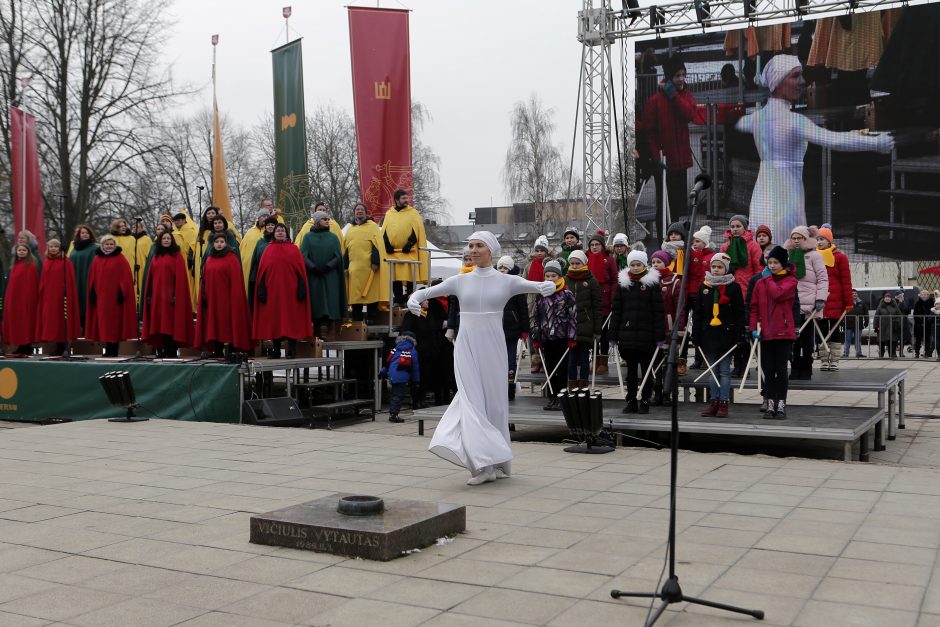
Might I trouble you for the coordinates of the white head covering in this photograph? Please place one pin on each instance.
(541, 241)
(489, 239)
(638, 255)
(579, 255)
(777, 69)
(621, 238)
(505, 262)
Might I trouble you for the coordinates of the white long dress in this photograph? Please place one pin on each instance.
(781, 137)
(474, 430)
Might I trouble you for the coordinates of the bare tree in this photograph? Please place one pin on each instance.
(99, 91)
(533, 168)
(332, 160)
(425, 170)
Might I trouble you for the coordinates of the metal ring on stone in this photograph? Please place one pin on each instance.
(360, 505)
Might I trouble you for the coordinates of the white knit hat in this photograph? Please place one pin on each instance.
(541, 242)
(505, 262)
(638, 255)
(579, 255)
(721, 258)
(704, 234)
(621, 238)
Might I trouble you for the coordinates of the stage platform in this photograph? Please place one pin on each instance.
(846, 425)
(887, 383)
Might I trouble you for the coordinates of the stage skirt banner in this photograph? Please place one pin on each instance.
(290, 135)
(39, 391)
(27, 191)
(381, 75)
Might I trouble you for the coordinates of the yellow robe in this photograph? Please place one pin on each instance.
(397, 227)
(186, 239)
(247, 249)
(334, 229)
(135, 251)
(359, 242)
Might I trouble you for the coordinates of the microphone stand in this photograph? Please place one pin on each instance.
(671, 592)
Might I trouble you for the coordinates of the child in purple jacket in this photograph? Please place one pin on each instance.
(554, 328)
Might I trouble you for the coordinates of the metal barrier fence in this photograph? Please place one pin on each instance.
(885, 336)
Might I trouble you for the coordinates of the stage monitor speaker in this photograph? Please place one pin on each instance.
(273, 412)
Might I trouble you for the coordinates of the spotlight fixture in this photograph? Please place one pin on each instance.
(631, 10)
(750, 7)
(120, 391)
(801, 6)
(703, 12)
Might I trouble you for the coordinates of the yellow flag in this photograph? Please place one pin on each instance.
(220, 197)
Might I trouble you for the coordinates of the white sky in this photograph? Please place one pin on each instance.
(471, 60)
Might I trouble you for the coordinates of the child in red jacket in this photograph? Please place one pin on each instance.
(604, 268)
(839, 302)
(700, 258)
(775, 309)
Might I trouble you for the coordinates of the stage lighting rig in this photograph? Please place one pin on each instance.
(631, 10)
(750, 7)
(657, 19)
(703, 12)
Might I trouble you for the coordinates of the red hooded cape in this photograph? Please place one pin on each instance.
(19, 304)
(110, 279)
(281, 274)
(57, 319)
(167, 307)
(223, 306)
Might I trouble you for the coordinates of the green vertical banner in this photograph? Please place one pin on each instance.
(290, 136)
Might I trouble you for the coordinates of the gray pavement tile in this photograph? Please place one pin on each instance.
(439, 595)
(60, 602)
(515, 605)
(879, 594)
(137, 612)
(817, 613)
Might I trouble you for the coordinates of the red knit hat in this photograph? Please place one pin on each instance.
(763, 228)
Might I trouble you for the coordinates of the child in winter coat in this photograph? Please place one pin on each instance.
(745, 262)
(571, 242)
(621, 246)
(669, 285)
(638, 324)
(813, 281)
(718, 320)
(674, 244)
(536, 272)
(839, 302)
(699, 263)
(774, 319)
(889, 325)
(604, 268)
(587, 296)
(764, 237)
(515, 322)
(403, 370)
(555, 327)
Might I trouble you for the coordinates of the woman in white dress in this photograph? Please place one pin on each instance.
(782, 136)
(474, 430)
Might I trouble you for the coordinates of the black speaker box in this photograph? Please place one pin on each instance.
(273, 412)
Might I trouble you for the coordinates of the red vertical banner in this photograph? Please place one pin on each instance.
(381, 75)
(27, 192)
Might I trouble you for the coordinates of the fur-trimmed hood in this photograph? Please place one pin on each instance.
(650, 279)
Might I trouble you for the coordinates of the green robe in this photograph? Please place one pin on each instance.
(325, 275)
(81, 260)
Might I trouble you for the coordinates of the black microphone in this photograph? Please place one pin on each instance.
(702, 182)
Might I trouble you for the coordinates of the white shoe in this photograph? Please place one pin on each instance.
(500, 473)
(484, 477)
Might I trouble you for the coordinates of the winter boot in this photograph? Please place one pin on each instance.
(722, 409)
(711, 410)
(512, 386)
(600, 364)
(631, 407)
(553, 404)
(395, 418)
(834, 357)
(763, 406)
(771, 412)
(781, 413)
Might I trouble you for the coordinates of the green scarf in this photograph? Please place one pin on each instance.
(737, 250)
(798, 259)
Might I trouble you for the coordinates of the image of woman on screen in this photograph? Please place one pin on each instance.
(781, 137)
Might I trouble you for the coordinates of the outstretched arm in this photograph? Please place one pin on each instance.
(846, 141)
(518, 285)
(445, 288)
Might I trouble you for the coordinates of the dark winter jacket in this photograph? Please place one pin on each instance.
(670, 284)
(859, 313)
(587, 297)
(516, 315)
(637, 319)
(923, 308)
(395, 370)
(717, 340)
(555, 317)
(776, 306)
(889, 322)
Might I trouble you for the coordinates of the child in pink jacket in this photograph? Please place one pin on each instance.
(813, 284)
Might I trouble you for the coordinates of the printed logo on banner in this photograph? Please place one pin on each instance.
(8, 385)
(383, 90)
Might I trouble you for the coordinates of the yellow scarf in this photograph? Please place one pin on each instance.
(828, 255)
(679, 263)
(466, 269)
(781, 272)
(559, 284)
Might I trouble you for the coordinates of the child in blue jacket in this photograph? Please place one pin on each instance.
(402, 370)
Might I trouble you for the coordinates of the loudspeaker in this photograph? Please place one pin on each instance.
(273, 412)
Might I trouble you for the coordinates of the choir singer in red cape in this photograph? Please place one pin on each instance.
(19, 302)
(167, 307)
(282, 310)
(57, 319)
(223, 319)
(111, 313)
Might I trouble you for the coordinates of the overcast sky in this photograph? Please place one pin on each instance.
(471, 60)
